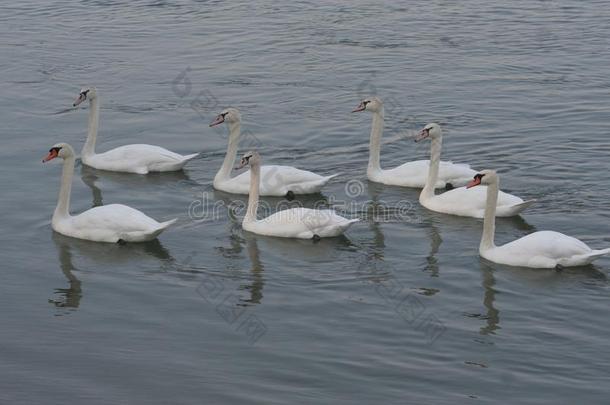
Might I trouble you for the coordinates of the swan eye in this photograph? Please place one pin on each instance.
(478, 176)
(55, 149)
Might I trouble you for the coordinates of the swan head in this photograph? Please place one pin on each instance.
(373, 104)
(59, 150)
(432, 131)
(251, 158)
(84, 94)
(485, 177)
(229, 115)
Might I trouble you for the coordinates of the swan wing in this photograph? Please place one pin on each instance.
(302, 223)
(469, 201)
(415, 174)
(138, 158)
(109, 223)
(276, 181)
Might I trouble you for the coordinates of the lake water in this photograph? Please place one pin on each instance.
(401, 309)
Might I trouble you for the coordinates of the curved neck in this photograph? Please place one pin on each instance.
(227, 164)
(435, 161)
(94, 118)
(255, 174)
(489, 221)
(375, 141)
(63, 203)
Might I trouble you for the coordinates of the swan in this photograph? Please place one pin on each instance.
(460, 201)
(410, 174)
(137, 158)
(277, 181)
(302, 223)
(543, 249)
(107, 223)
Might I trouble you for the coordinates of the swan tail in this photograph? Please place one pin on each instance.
(326, 179)
(597, 253)
(336, 229)
(310, 187)
(519, 208)
(144, 236)
(349, 223)
(164, 225)
(189, 157)
(584, 259)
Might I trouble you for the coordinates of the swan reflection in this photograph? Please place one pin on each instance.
(492, 315)
(435, 243)
(90, 176)
(530, 279)
(66, 297)
(256, 286)
(245, 245)
(105, 255)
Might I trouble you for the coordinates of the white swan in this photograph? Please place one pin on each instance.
(410, 174)
(302, 223)
(460, 201)
(137, 158)
(107, 223)
(543, 249)
(277, 181)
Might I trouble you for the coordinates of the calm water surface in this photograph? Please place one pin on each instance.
(401, 309)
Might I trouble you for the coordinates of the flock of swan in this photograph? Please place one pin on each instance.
(477, 196)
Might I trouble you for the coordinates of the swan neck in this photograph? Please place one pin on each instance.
(489, 220)
(435, 161)
(94, 118)
(63, 203)
(233, 144)
(375, 142)
(255, 175)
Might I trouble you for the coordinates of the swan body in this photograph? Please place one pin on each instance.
(413, 174)
(111, 223)
(461, 201)
(543, 249)
(302, 223)
(276, 180)
(465, 202)
(136, 158)
(410, 174)
(108, 223)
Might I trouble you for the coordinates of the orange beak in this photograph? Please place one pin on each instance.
(52, 155)
(475, 182)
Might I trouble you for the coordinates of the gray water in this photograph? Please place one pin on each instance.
(401, 309)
